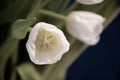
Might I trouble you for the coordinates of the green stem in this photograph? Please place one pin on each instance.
(112, 17)
(72, 7)
(6, 51)
(36, 6)
(56, 5)
(44, 3)
(20, 10)
(52, 5)
(14, 61)
(64, 6)
(52, 14)
(100, 7)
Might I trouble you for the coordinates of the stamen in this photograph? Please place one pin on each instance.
(45, 40)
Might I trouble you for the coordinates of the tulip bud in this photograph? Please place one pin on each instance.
(46, 44)
(89, 2)
(85, 26)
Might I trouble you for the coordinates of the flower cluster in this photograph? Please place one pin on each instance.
(47, 43)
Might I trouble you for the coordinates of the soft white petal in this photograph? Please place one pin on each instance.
(85, 26)
(89, 2)
(47, 56)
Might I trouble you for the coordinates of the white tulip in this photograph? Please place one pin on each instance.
(46, 44)
(85, 26)
(89, 2)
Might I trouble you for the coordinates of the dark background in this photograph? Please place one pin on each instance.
(102, 61)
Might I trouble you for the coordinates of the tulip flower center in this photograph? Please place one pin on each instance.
(45, 41)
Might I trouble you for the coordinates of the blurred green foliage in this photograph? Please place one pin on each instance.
(16, 16)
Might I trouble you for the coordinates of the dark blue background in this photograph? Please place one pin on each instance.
(100, 62)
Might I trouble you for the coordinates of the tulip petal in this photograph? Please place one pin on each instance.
(46, 44)
(89, 2)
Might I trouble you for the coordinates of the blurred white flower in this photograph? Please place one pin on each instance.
(85, 26)
(46, 44)
(89, 2)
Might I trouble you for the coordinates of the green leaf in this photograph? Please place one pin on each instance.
(21, 26)
(28, 72)
(6, 51)
(53, 6)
